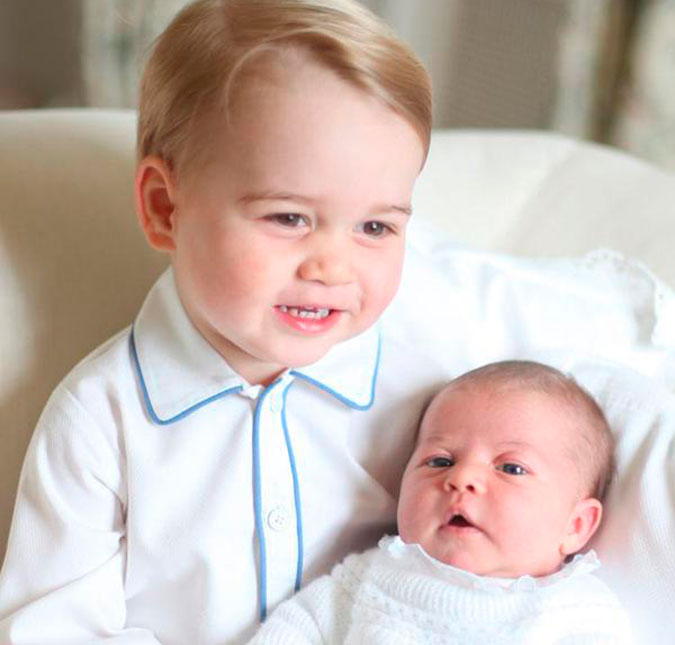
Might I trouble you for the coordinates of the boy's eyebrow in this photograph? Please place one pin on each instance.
(406, 209)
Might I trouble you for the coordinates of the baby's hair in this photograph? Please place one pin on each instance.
(195, 64)
(595, 449)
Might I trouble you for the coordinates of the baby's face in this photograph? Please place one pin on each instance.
(291, 240)
(492, 486)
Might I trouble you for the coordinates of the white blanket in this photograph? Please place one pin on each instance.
(610, 323)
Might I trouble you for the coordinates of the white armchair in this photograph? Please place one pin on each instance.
(74, 267)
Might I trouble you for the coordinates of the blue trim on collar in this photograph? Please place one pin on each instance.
(146, 396)
(341, 397)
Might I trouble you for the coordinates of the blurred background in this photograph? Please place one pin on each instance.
(602, 70)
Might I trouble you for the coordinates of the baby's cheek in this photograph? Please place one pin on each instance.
(410, 507)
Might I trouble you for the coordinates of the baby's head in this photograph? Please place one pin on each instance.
(508, 475)
(278, 145)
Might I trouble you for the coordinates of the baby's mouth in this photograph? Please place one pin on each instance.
(311, 313)
(460, 521)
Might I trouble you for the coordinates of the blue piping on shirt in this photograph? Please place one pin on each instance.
(239, 388)
(257, 504)
(184, 413)
(296, 495)
(340, 397)
(257, 478)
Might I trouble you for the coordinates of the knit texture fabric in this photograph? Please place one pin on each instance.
(397, 594)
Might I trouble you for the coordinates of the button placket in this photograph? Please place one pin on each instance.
(276, 401)
(278, 504)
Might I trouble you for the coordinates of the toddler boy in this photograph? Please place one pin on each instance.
(503, 488)
(194, 470)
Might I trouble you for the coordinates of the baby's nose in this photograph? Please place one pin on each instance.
(466, 478)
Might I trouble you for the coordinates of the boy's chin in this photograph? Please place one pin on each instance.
(297, 352)
(305, 359)
(303, 352)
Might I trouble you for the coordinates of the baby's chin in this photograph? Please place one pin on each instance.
(480, 567)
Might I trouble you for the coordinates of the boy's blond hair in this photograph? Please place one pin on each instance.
(191, 73)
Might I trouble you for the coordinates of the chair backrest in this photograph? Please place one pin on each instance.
(74, 266)
(544, 194)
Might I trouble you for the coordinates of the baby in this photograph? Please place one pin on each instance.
(504, 487)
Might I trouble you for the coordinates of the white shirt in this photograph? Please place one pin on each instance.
(399, 595)
(135, 517)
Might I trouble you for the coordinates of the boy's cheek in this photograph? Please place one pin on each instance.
(385, 286)
(230, 268)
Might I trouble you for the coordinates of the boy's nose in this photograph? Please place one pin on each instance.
(466, 478)
(329, 263)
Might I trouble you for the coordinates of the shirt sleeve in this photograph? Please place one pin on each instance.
(63, 576)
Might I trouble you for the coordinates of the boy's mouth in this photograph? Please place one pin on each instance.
(308, 319)
(311, 313)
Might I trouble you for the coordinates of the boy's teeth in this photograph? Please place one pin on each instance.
(302, 312)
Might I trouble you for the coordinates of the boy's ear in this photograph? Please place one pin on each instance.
(154, 195)
(584, 521)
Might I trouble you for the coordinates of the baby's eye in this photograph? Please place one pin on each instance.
(288, 220)
(440, 462)
(512, 469)
(376, 229)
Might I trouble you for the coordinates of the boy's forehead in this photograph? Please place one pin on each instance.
(288, 79)
(256, 87)
(274, 140)
(283, 67)
(291, 78)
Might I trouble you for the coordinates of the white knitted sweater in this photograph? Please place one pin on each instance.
(398, 594)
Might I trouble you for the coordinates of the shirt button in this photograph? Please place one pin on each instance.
(278, 518)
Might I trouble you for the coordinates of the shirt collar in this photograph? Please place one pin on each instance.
(180, 372)
(414, 556)
(348, 371)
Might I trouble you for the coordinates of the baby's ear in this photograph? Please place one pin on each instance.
(154, 198)
(583, 522)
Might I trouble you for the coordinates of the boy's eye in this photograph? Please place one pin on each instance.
(512, 469)
(289, 220)
(373, 228)
(440, 462)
